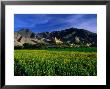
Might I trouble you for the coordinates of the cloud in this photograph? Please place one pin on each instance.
(51, 22)
(88, 24)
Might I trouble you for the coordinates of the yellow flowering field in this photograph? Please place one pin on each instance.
(54, 63)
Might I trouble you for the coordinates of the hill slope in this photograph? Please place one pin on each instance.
(67, 36)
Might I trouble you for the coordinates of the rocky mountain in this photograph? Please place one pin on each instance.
(23, 36)
(69, 36)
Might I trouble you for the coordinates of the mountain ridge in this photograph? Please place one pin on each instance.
(67, 36)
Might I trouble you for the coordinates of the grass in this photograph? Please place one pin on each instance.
(56, 62)
(83, 49)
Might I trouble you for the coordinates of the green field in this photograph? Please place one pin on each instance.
(56, 62)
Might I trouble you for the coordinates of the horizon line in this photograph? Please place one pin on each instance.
(54, 30)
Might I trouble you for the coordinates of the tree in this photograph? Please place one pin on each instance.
(27, 46)
(18, 47)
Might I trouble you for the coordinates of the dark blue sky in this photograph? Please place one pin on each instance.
(53, 22)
